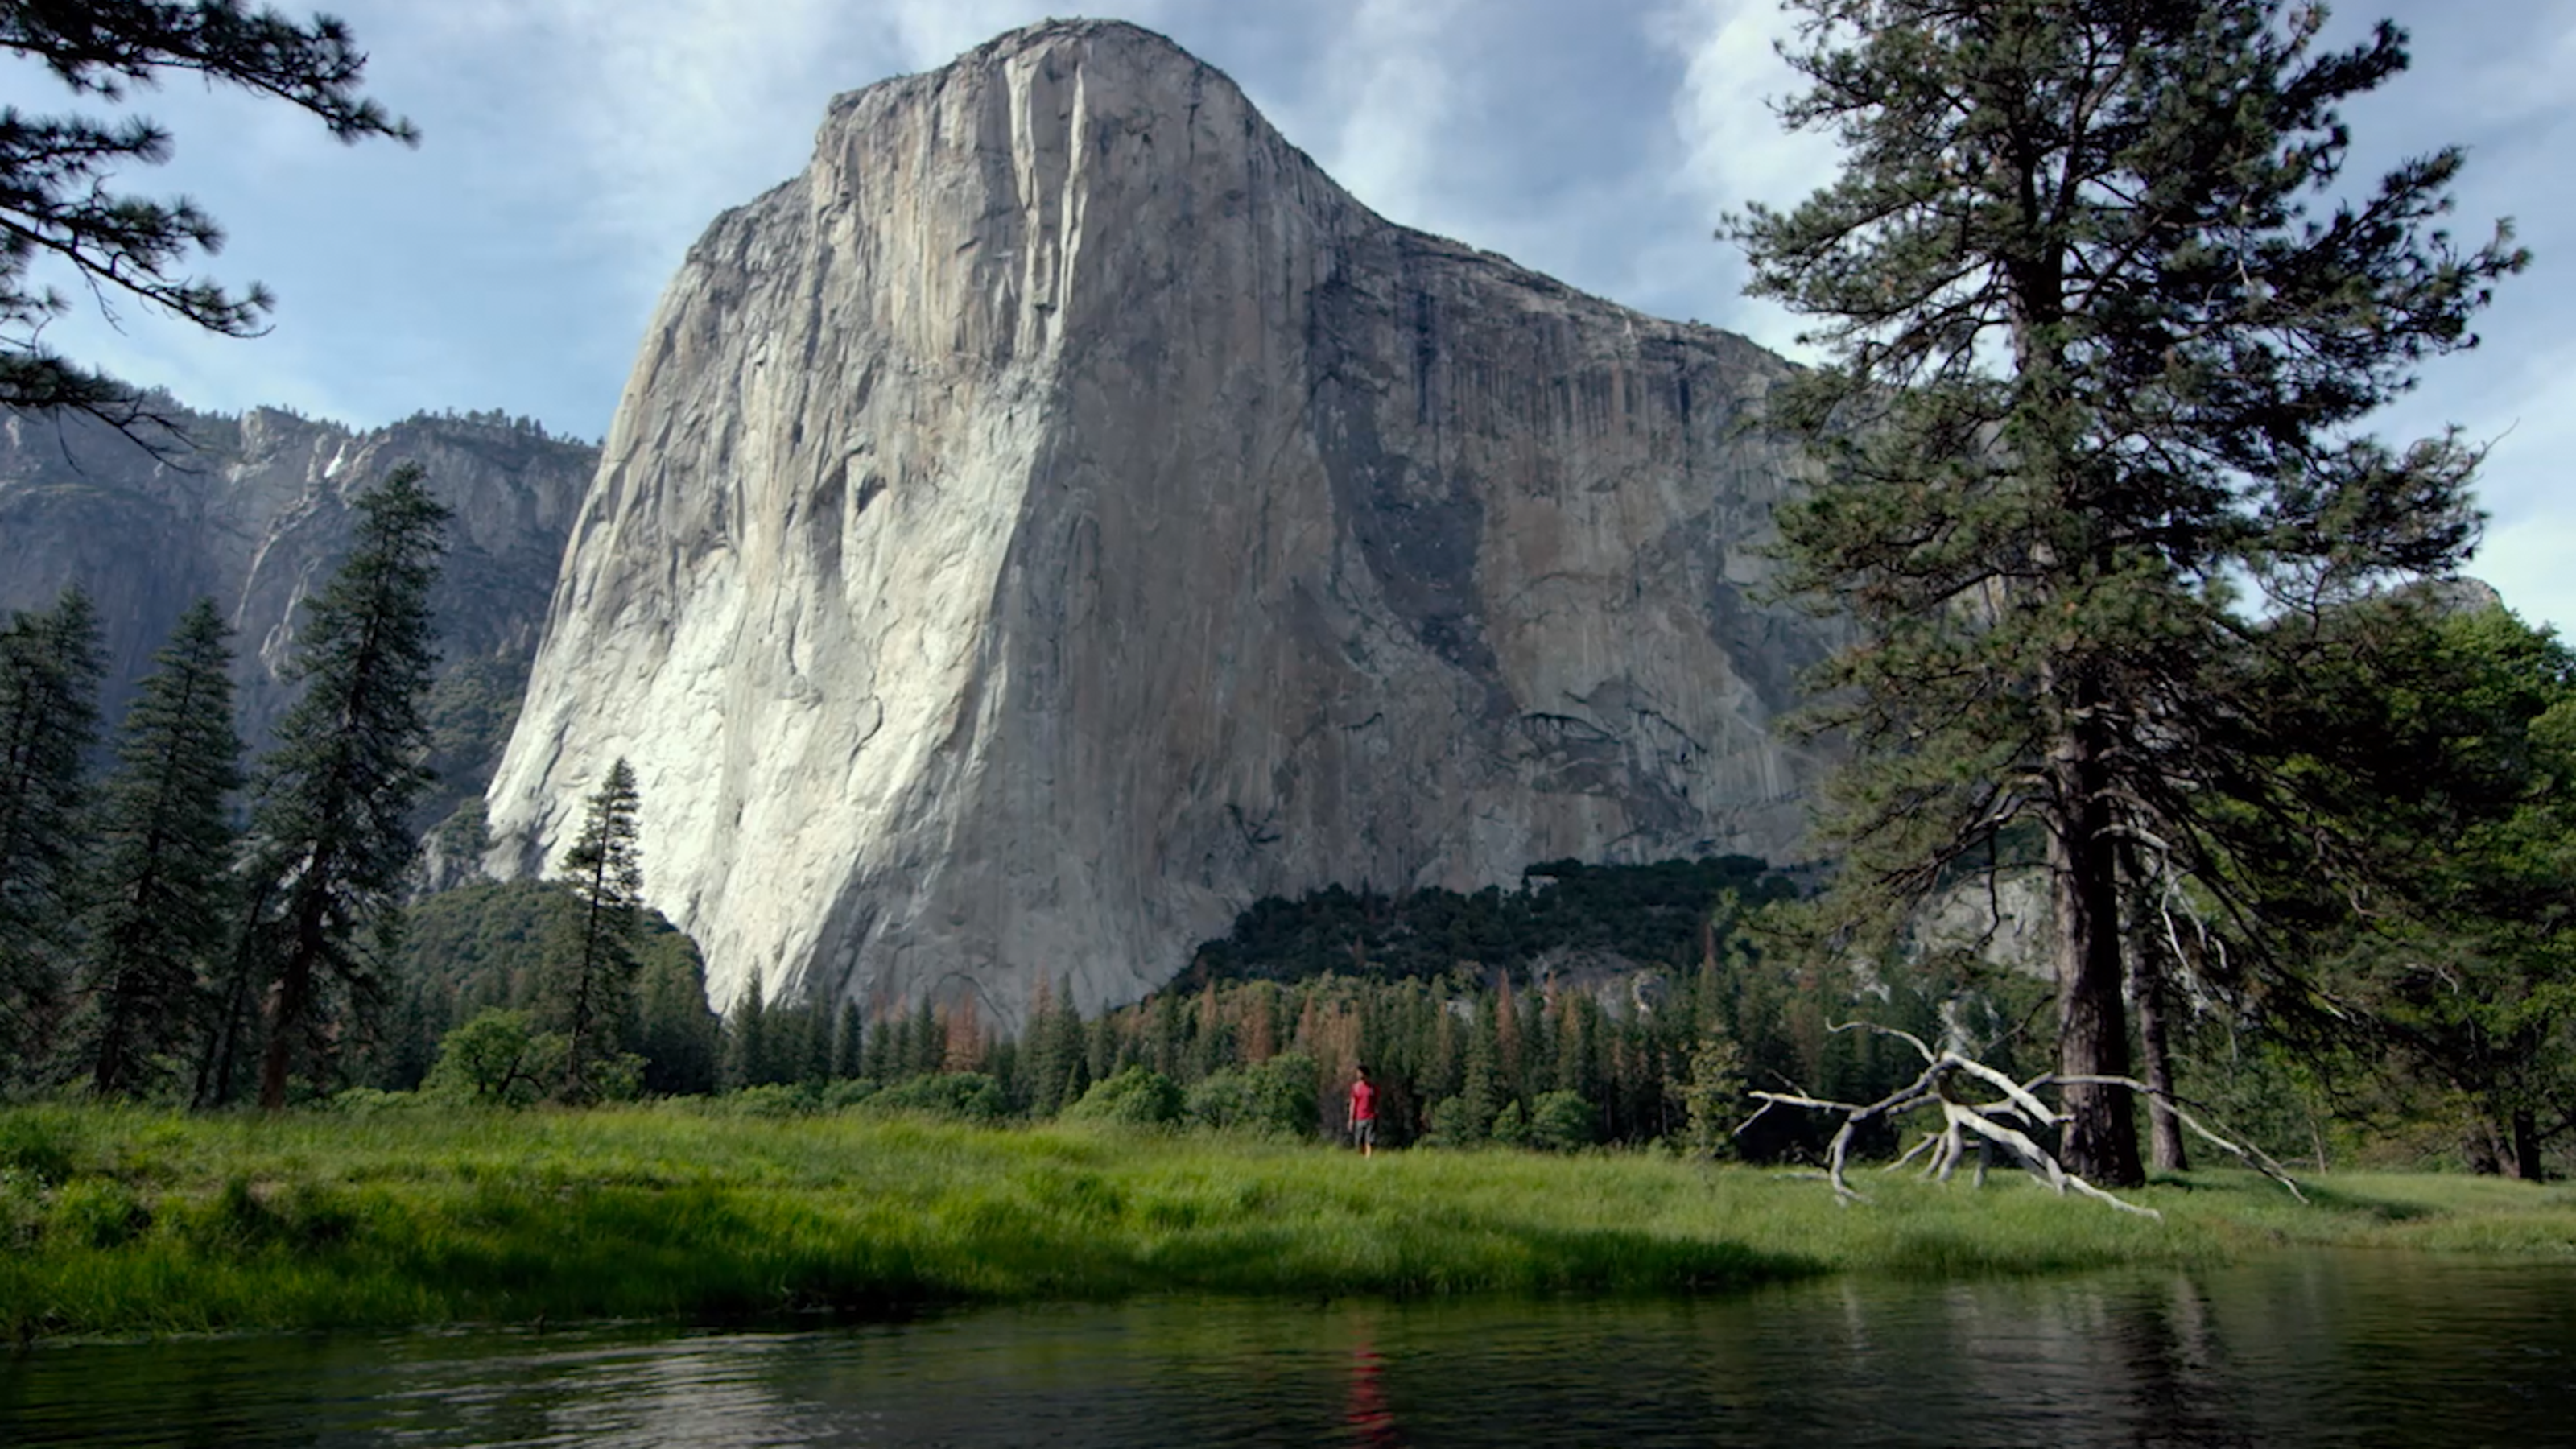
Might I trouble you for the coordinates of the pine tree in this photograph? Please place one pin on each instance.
(2095, 367)
(330, 831)
(814, 1045)
(160, 909)
(849, 1043)
(747, 1048)
(590, 959)
(879, 1056)
(49, 670)
(925, 1040)
(54, 170)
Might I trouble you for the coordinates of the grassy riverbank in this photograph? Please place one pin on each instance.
(117, 1221)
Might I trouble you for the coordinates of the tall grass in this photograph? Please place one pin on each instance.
(120, 1220)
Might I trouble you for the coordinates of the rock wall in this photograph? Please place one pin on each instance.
(1061, 515)
(253, 511)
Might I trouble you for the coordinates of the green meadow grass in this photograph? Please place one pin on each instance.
(126, 1221)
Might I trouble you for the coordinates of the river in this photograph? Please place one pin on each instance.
(2340, 1348)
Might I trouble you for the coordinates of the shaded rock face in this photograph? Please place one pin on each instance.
(1061, 516)
(254, 512)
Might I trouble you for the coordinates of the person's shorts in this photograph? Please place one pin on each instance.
(1364, 1133)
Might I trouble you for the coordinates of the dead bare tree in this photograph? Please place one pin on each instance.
(1976, 1101)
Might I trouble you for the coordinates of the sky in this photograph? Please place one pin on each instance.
(572, 149)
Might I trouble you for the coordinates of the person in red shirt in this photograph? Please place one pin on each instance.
(1363, 1111)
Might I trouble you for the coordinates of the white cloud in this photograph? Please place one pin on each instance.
(1735, 149)
(1391, 90)
(2526, 561)
(674, 110)
(2526, 414)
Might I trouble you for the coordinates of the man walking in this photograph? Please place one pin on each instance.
(1363, 1111)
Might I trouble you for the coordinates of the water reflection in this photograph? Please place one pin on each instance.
(2331, 1348)
(1370, 1421)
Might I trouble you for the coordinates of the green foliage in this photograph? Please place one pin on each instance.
(681, 1038)
(496, 1060)
(847, 1092)
(1560, 1122)
(1274, 1098)
(2093, 369)
(770, 1099)
(161, 899)
(749, 1059)
(1456, 1123)
(54, 171)
(1647, 913)
(483, 945)
(1136, 1097)
(38, 1145)
(849, 1042)
(375, 1101)
(50, 664)
(1714, 1096)
(961, 1096)
(470, 710)
(2438, 758)
(331, 840)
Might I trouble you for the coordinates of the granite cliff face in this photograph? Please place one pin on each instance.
(1061, 516)
(253, 511)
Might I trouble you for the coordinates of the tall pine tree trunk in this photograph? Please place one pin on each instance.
(218, 1067)
(2164, 1129)
(2151, 986)
(294, 993)
(2101, 1140)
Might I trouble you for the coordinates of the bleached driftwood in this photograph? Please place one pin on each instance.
(1980, 1103)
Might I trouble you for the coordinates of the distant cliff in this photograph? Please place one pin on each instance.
(254, 511)
(1062, 516)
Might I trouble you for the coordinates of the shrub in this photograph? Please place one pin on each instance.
(967, 1096)
(1512, 1126)
(369, 1102)
(1136, 1097)
(496, 1061)
(770, 1099)
(1561, 1122)
(849, 1092)
(1273, 1099)
(617, 1077)
(1454, 1124)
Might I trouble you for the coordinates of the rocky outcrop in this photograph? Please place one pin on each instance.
(253, 511)
(1061, 516)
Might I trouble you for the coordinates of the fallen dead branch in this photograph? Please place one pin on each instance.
(1982, 1105)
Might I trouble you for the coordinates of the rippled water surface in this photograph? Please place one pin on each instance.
(2337, 1348)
